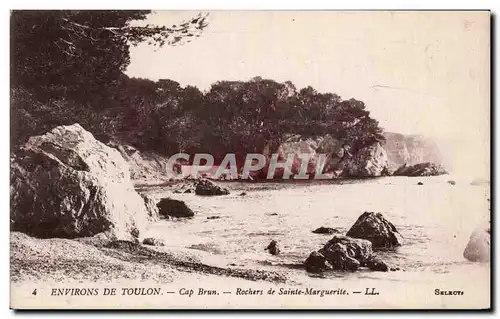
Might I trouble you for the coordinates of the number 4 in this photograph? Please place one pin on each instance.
(34, 292)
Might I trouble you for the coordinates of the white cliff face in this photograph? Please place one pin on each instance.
(332, 148)
(410, 150)
(396, 149)
(66, 183)
(295, 148)
(370, 161)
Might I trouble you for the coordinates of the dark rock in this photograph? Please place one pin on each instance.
(345, 253)
(326, 230)
(272, 214)
(213, 217)
(243, 194)
(420, 183)
(135, 232)
(378, 230)
(452, 182)
(65, 183)
(273, 248)
(385, 172)
(209, 188)
(153, 242)
(174, 208)
(187, 191)
(422, 169)
(395, 268)
(316, 262)
(376, 264)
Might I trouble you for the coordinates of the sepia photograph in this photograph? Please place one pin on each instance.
(225, 159)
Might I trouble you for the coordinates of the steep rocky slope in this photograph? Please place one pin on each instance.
(410, 150)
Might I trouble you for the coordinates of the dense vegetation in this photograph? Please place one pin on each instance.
(67, 67)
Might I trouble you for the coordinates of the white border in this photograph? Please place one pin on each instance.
(183, 5)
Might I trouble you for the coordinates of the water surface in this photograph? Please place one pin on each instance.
(435, 220)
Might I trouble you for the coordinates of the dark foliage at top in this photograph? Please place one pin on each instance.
(67, 67)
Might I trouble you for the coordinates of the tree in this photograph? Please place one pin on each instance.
(82, 54)
(246, 116)
(70, 65)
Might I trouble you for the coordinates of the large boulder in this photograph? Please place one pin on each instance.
(422, 169)
(345, 253)
(378, 230)
(66, 183)
(174, 208)
(207, 188)
(478, 247)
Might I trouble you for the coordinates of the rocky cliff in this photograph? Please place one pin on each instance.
(410, 150)
(341, 161)
(376, 160)
(145, 167)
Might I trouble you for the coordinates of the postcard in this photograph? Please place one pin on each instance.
(250, 159)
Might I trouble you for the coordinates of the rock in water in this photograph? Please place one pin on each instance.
(478, 248)
(316, 262)
(174, 208)
(207, 187)
(376, 264)
(422, 169)
(378, 230)
(325, 230)
(273, 248)
(345, 253)
(66, 183)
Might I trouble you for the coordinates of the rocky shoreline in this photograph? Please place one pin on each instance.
(75, 213)
(89, 259)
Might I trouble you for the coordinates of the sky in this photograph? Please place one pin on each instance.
(422, 73)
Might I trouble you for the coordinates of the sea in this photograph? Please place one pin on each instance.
(435, 220)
